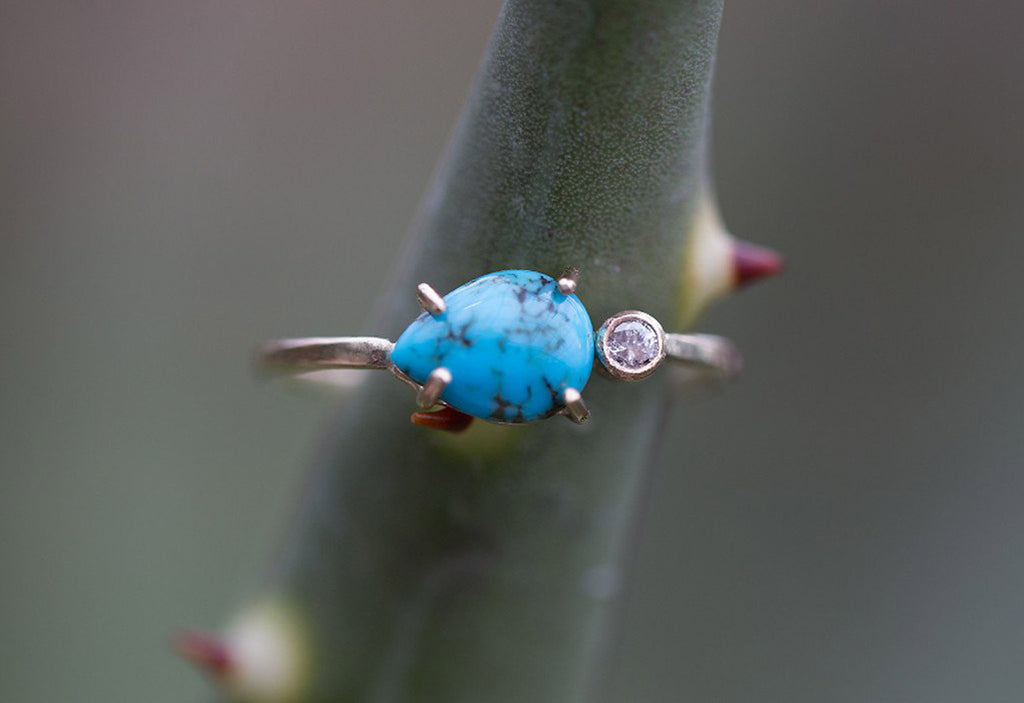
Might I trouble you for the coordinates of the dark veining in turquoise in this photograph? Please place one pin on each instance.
(512, 341)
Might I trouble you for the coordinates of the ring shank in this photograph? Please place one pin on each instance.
(708, 352)
(317, 353)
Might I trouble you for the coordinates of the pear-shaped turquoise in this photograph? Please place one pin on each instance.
(512, 342)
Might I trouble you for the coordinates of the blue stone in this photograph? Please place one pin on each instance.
(512, 341)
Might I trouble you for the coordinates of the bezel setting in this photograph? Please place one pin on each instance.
(613, 366)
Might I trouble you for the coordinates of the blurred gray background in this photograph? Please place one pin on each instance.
(181, 180)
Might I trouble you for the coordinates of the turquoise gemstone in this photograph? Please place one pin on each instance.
(512, 341)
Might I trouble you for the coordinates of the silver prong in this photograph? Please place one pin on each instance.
(438, 379)
(568, 280)
(430, 300)
(575, 408)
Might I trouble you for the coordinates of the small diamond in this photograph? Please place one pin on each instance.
(632, 344)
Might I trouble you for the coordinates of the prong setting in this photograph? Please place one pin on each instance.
(575, 409)
(436, 382)
(568, 280)
(430, 300)
(630, 345)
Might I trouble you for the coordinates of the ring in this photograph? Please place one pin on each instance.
(509, 347)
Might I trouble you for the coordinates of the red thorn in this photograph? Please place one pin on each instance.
(446, 419)
(751, 262)
(205, 651)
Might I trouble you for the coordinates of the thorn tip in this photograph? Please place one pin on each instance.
(751, 262)
(206, 651)
(446, 419)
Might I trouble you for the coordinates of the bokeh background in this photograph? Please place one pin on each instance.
(181, 180)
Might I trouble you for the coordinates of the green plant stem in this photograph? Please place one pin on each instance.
(482, 567)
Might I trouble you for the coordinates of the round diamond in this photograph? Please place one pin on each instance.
(632, 344)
